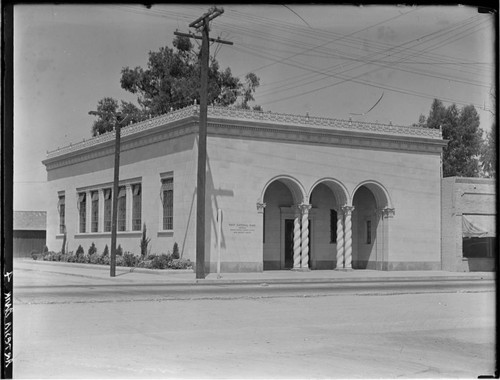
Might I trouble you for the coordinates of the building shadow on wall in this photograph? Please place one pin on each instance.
(212, 194)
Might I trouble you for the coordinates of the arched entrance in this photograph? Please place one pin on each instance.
(280, 213)
(370, 229)
(326, 198)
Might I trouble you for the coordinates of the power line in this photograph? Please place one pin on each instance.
(280, 31)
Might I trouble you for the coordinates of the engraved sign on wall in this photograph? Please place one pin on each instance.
(242, 228)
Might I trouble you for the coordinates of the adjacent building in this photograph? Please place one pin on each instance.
(28, 232)
(291, 191)
(468, 222)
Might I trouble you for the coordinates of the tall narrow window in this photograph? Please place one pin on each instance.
(167, 190)
(122, 209)
(94, 223)
(136, 207)
(368, 232)
(107, 210)
(61, 207)
(82, 207)
(333, 226)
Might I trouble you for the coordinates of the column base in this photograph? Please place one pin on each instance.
(300, 269)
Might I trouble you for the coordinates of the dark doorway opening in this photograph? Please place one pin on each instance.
(288, 243)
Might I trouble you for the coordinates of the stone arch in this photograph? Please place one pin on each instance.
(295, 187)
(382, 197)
(327, 197)
(278, 204)
(339, 190)
(370, 225)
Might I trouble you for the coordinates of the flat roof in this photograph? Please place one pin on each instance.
(267, 118)
(30, 220)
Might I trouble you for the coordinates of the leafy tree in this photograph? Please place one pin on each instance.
(489, 154)
(461, 129)
(171, 81)
(436, 114)
(422, 121)
(109, 112)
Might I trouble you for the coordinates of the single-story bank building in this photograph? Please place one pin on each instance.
(293, 191)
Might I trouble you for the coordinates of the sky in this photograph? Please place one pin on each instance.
(325, 60)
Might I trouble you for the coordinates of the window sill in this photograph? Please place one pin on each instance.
(108, 234)
(166, 233)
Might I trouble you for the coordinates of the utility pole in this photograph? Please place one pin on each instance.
(115, 194)
(202, 25)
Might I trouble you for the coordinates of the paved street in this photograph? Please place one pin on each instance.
(79, 326)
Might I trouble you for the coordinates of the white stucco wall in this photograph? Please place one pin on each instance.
(240, 167)
(411, 179)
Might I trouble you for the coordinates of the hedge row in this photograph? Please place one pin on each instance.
(162, 261)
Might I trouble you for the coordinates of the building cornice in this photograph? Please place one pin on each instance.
(322, 136)
(253, 124)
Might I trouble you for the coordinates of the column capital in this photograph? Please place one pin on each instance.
(388, 212)
(347, 209)
(304, 207)
(260, 207)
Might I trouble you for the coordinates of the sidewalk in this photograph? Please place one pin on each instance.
(69, 273)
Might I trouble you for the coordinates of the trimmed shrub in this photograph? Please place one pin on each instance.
(180, 264)
(119, 250)
(150, 257)
(130, 260)
(94, 259)
(35, 255)
(79, 250)
(92, 249)
(80, 255)
(161, 262)
(175, 251)
(45, 249)
(119, 261)
(51, 256)
(105, 260)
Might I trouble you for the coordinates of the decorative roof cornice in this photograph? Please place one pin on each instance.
(126, 131)
(321, 122)
(263, 118)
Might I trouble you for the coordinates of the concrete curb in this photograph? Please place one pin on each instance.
(286, 281)
(173, 276)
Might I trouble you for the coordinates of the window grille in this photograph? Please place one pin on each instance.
(82, 205)
(95, 212)
(136, 207)
(167, 192)
(61, 208)
(107, 210)
(122, 209)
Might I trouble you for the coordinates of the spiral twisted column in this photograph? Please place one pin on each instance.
(305, 235)
(348, 237)
(340, 240)
(296, 241)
